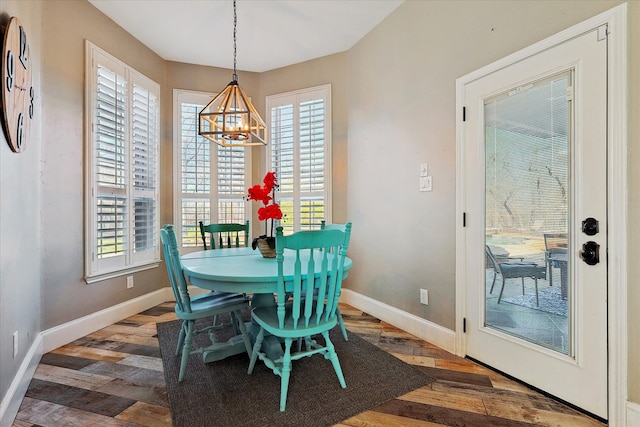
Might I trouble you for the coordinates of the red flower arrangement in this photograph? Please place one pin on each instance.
(271, 210)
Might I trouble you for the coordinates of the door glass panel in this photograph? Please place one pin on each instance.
(527, 135)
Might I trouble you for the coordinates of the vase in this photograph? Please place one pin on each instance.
(265, 246)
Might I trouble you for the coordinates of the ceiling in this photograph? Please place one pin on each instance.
(270, 34)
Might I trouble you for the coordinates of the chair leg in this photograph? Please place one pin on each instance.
(234, 321)
(522, 285)
(186, 349)
(256, 350)
(501, 290)
(183, 330)
(333, 357)
(285, 373)
(494, 281)
(341, 323)
(537, 300)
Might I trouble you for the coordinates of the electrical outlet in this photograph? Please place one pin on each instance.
(424, 296)
(15, 344)
(129, 282)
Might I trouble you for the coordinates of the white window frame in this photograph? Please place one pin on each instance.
(130, 260)
(296, 98)
(181, 96)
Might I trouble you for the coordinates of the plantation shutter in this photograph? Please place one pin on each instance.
(122, 163)
(212, 179)
(111, 162)
(300, 154)
(195, 176)
(312, 163)
(144, 158)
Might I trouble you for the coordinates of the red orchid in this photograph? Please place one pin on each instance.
(270, 181)
(270, 212)
(259, 194)
(266, 194)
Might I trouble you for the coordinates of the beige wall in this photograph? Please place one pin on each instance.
(393, 108)
(402, 112)
(20, 218)
(67, 24)
(327, 70)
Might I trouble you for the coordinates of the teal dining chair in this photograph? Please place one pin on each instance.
(190, 309)
(298, 317)
(226, 235)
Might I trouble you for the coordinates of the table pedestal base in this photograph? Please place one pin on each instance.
(219, 351)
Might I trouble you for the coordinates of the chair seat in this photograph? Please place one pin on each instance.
(267, 318)
(520, 269)
(211, 307)
(215, 295)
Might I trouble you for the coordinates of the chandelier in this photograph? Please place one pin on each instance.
(230, 120)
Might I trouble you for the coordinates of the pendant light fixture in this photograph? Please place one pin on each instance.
(230, 120)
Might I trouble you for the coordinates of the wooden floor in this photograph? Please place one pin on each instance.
(114, 377)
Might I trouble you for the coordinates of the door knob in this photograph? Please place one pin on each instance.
(590, 226)
(590, 253)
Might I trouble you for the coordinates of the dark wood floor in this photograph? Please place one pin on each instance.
(114, 377)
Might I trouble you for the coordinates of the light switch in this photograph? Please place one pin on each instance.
(425, 183)
(424, 169)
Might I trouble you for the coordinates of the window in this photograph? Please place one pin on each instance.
(122, 199)
(299, 150)
(210, 181)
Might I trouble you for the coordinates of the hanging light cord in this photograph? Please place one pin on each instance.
(235, 25)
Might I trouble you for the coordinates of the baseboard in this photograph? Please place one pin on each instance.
(13, 398)
(78, 328)
(424, 329)
(633, 414)
(63, 334)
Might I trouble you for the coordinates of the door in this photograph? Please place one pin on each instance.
(535, 241)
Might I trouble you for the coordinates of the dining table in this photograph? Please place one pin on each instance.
(244, 270)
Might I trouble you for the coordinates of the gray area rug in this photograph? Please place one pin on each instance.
(223, 394)
(550, 301)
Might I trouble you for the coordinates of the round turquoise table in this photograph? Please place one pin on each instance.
(242, 270)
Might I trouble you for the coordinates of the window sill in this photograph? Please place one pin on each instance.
(113, 274)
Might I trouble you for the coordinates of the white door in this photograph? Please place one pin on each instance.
(535, 194)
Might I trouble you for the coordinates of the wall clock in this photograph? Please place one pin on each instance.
(17, 86)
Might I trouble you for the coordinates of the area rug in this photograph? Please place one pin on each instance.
(223, 394)
(550, 301)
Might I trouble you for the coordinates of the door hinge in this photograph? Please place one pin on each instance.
(464, 325)
(464, 219)
(464, 114)
(602, 32)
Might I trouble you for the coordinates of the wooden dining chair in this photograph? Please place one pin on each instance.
(299, 317)
(226, 235)
(190, 309)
